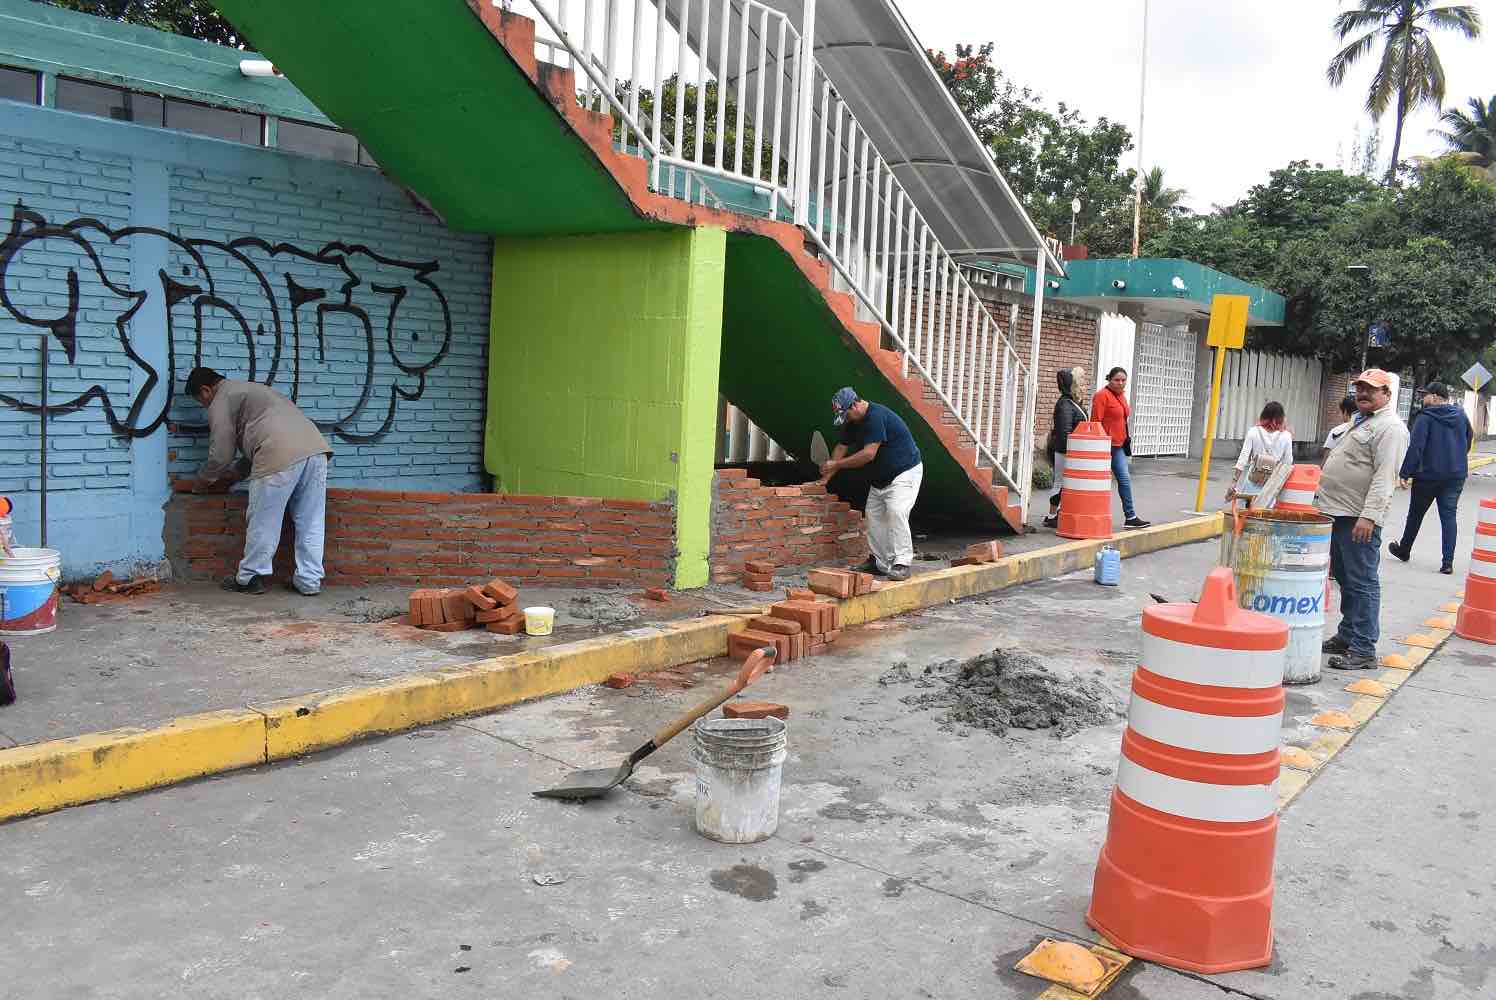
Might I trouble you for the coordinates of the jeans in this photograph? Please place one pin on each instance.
(1446, 492)
(1355, 565)
(887, 515)
(303, 488)
(1124, 482)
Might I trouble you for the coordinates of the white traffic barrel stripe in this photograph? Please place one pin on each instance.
(1304, 497)
(1485, 543)
(1483, 569)
(1087, 465)
(1232, 668)
(1093, 485)
(1196, 799)
(1099, 446)
(1176, 727)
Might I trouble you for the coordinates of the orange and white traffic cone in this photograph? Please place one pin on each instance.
(1185, 878)
(1086, 497)
(1298, 492)
(1477, 617)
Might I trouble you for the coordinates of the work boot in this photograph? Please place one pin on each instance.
(1352, 661)
(256, 585)
(870, 566)
(1447, 569)
(1051, 521)
(1135, 522)
(292, 586)
(898, 573)
(1334, 644)
(1399, 551)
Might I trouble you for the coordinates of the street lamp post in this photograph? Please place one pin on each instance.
(1362, 271)
(1074, 213)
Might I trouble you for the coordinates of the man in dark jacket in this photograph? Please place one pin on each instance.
(1436, 466)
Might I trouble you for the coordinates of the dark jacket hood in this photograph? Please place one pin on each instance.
(1066, 379)
(1445, 413)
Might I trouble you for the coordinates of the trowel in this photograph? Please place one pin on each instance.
(819, 453)
(599, 781)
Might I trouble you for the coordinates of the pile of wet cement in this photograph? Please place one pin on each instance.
(364, 609)
(1005, 689)
(601, 609)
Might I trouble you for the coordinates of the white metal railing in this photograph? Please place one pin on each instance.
(727, 90)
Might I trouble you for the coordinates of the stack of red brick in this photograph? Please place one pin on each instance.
(105, 589)
(807, 622)
(491, 605)
(778, 525)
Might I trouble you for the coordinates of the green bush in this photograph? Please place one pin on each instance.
(1043, 476)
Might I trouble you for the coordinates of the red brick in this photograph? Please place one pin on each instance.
(741, 645)
(620, 680)
(657, 594)
(760, 578)
(806, 614)
(492, 615)
(732, 473)
(832, 582)
(779, 626)
(755, 710)
(478, 599)
(428, 497)
(758, 586)
(985, 552)
(507, 627)
(760, 566)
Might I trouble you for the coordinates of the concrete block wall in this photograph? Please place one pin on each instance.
(792, 526)
(141, 252)
(446, 539)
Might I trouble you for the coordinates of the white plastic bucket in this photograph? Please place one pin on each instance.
(539, 620)
(739, 763)
(28, 591)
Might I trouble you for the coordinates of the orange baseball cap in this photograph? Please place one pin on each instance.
(1375, 377)
(5, 506)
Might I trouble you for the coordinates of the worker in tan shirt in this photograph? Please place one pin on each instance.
(288, 468)
(1355, 490)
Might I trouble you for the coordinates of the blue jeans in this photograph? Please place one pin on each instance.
(1355, 566)
(303, 488)
(1425, 492)
(1123, 476)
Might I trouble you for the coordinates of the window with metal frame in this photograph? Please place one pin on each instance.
(20, 85)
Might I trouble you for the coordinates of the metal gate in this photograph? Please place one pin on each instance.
(1163, 394)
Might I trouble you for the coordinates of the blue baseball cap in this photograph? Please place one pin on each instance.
(842, 403)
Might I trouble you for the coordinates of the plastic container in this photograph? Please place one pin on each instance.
(28, 591)
(1108, 567)
(1281, 560)
(539, 620)
(739, 763)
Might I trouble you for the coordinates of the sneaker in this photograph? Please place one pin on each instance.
(256, 585)
(1399, 551)
(1334, 644)
(1352, 661)
(291, 586)
(1447, 570)
(1135, 522)
(870, 566)
(1051, 521)
(898, 573)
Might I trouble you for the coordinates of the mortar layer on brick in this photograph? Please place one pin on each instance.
(790, 526)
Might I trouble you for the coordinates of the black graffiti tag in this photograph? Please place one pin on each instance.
(205, 288)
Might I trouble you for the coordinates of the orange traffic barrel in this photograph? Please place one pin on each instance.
(1477, 617)
(1185, 878)
(1298, 492)
(1086, 496)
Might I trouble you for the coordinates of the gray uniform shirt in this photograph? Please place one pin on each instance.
(1361, 473)
(263, 424)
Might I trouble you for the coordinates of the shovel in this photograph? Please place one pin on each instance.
(598, 782)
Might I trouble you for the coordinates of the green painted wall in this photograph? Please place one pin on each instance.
(603, 369)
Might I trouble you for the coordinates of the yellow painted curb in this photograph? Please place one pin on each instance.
(41, 777)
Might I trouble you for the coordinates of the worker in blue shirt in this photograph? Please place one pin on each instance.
(872, 435)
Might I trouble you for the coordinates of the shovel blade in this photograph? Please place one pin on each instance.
(593, 784)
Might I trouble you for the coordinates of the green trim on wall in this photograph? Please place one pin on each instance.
(444, 110)
(784, 354)
(603, 371)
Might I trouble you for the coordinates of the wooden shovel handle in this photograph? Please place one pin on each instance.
(752, 668)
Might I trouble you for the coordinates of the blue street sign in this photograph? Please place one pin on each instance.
(1379, 335)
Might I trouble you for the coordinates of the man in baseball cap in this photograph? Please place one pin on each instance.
(872, 435)
(1435, 467)
(1355, 490)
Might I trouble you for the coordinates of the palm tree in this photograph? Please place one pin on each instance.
(1409, 69)
(1155, 194)
(1472, 134)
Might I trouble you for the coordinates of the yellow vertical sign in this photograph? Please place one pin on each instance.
(1227, 331)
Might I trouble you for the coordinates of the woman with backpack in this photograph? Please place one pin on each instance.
(1267, 445)
(1067, 413)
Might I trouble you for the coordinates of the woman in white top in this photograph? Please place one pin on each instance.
(1270, 440)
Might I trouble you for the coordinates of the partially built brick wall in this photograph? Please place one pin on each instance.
(786, 525)
(445, 539)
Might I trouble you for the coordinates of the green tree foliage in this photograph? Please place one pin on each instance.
(1409, 73)
(1431, 247)
(1472, 132)
(1049, 157)
(182, 17)
(1157, 194)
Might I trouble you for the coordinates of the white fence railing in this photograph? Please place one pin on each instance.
(727, 91)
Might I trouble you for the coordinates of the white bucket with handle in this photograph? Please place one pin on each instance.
(28, 591)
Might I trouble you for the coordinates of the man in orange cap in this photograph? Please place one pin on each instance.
(1355, 489)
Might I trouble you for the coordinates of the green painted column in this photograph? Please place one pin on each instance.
(603, 372)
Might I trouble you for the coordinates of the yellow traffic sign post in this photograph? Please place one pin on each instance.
(1228, 331)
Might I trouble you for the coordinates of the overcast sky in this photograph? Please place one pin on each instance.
(1235, 87)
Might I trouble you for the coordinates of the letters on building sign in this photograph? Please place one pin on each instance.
(266, 311)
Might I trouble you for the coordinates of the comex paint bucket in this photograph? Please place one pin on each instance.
(28, 591)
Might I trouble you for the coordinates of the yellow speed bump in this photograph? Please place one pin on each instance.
(1397, 661)
(1447, 624)
(1460, 594)
(1419, 639)
(1450, 606)
(1079, 970)
(1297, 757)
(1367, 686)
